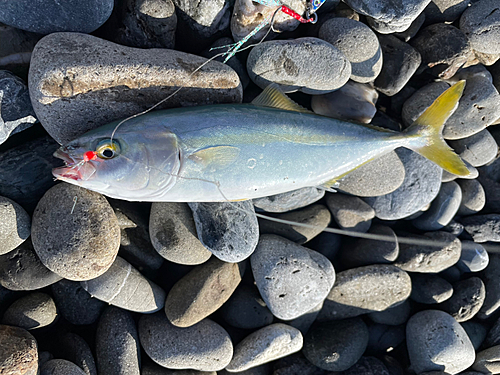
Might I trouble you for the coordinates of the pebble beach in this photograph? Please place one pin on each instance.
(91, 285)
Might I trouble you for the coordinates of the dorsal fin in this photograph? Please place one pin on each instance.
(273, 97)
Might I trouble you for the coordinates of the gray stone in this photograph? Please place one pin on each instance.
(75, 349)
(454, 228)
(478, 149)
(436, 341)
(336, 346)
(474, 257)
(16, 112)
(202, 291)
(69, 105)
(430, 289)
(367, 366)
(32, 311)
(358, 43)
(173, 234)
(51, 16)
(352, 102)
(417, 103)
(488, 361)
(310, 65)
(366, 289)
(493, 336)
(483, 228)
(16, 47)
(481, 23)
(468, 297)
(60, 367)
(444, 10)
(75, 304)
(265, 345)
(289, 201)
(123, 286)
(18, 351)
(443, 208)
(294, 364)
(476, 332)
(316, 215)
(384, 337)
(117, 343)
(401, 61)
(15, 225)
(473, 197)
(420, 186)
(206, 346)
(393, 316)
(430, 259)
(491, 279)
(366, 182)
(350, 212)
(229, 230)
(291, 279)
(21, 269)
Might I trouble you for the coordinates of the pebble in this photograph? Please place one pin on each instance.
(337, 345)
(173, 234)
(481, 23)
(227, 229)
(291, 279)
(384, 338)
(265, 345)
(401, 61)
(491, 279)
(367, 366)
(478, 149)
(493, 336)
(474, 257)
(442, 62)
(468, 297)
(419, 101)
(393, 316)
(436, 341)
(350, 212)
(34, 310)
(123, 286)
(202, 291)
(16, 47)
(430, 259)
(15, 226)
(476, 332)
(117, 343)
(443, 208)
(414, 28)
(365, 252)
(430, 289)
(51, 16)
(366, 289)
(294, 364)
(18, 351)
(473, 197)
(310, 65)
(289, 201)
(488, 361)
(483, 228)
(16, 112)
(87, 236)
(60, 367)
(444, 10)
(246, 309)
(420, 186)
(75, 304)
(358, 43)
(206, 346)
(389, 19)
(75, 349)
(316, 215)
(366, 182)
(110, 82)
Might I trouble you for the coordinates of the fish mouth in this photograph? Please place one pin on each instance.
(70, 170)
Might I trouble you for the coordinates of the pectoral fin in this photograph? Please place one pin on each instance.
(216, 156)
(273, 97)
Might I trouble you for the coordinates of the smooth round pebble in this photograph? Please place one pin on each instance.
(336, 346)
(15, 225)
(289, 201)
(291, 279)
(265, 345)
(429, 288)
(206, 346)
(18, 351)
(468, 297)
(34, 310)
(473, 197)
(436, 341)
(478, 149)
(481, 23)
(488, 361)
(310, 65)
(350, 212)
(60, 367)
(474, 257)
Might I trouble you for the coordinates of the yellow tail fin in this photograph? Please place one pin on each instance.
(429, 126)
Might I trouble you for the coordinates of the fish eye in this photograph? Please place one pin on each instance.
(107, 149)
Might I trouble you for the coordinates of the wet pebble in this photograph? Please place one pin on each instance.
(350, 212)
(173, 234)
(483, 228)
(473, 197)
(430, 289)
(18, 351)
(437, 342)
(488, 361)
(227, 229)
(289, 201)
(206, 346)
(474, 257)
(267, 344)
(60, 367)
(481, 23)
(32, 311)
(468, 297)
(310, 65)
(291, 279)
(478, 149)
(123, 286)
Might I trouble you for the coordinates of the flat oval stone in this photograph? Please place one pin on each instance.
(173, 234)
(478, 149)
(310, 65)
(123, 286)
(468, 297)
(202, 291)
(35, 310)
(265, 345)
(87, 238)
(289, 201)
(473, 197)
(206, 346)
(474, 257)
(436, 341)
(291, 279)
(15, 225)
(430, 289)
(350, 212)
(117, 343)
(366, 289)
(481, 23)
(18, 351)
(60, 367)
(110, 82)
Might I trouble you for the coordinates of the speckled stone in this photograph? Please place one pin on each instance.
(468, 297)
(265, 345)
(289, 201)
(430, 289)
(350, 212)
(474, 257)
(483, 228)
(481, 23)
(18, 351)
(32, 311)
(60, 367)
(15, 225)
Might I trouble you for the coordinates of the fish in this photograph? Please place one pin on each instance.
(236, 152)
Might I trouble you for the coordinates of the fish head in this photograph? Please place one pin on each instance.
(131, 165)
